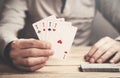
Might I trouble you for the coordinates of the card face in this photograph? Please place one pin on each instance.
(58, 32)
(62, 39)
(51, 26)
(38, 31)
(40, 27)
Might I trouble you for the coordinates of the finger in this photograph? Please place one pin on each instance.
(90, 53)
(31, 61)
(33, 68)
(30, 43)
(96, 55)
(100, 51)
(32, 52)
(36, 53)
(116, 58)
(95, 48)
(107, 55)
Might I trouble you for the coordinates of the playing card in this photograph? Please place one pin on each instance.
(40, 27)
(105, 67)
(51, 26)
(62, 39)
(58, 32)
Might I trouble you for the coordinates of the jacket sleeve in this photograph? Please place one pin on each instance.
(12, 20)
(110, 9)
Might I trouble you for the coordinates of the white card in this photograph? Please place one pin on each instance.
(62, 40)
(51, 26)
(40, 27)
(58, 32)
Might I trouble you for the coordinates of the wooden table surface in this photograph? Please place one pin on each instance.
(59, 69)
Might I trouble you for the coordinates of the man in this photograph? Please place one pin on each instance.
(31, 54)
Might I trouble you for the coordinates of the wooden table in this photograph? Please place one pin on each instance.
(59, 69)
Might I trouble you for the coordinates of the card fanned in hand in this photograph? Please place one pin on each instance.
(58, 32)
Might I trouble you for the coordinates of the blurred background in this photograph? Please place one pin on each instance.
(101, 27)
(1, 4)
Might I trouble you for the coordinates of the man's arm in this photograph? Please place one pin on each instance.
(24, 54)
(110, 9)
(11, 22)
(107, 49)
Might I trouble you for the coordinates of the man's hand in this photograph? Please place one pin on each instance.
(103, 50)
(30, 54)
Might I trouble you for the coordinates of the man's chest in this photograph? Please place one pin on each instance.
(72, 8)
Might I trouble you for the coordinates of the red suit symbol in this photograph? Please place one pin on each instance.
(59, 41)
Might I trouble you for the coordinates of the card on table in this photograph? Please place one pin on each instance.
(58, 32)
(105, 67)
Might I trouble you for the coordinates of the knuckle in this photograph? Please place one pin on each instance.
(32, 42)
(27, 62)
(30, 52)
(14, 44)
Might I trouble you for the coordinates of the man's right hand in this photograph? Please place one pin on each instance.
(30, 54)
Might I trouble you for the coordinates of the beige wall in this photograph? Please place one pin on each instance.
(1, 3)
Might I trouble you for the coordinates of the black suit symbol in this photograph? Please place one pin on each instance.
(39, 31)
(49, 29)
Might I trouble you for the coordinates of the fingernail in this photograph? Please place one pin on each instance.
(99, 61)
(112, 61)
(92, 60)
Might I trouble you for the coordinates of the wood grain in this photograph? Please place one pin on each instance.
(58, 68)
